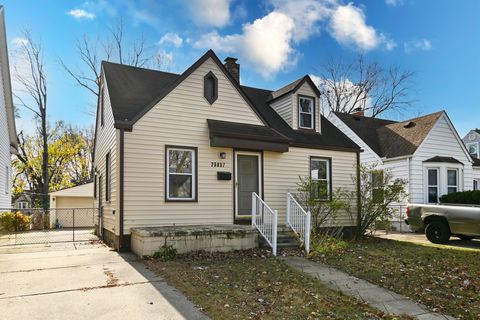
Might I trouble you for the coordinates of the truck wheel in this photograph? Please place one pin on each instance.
(437, 232)
(465, 238)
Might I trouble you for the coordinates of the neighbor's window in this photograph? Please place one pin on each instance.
(22, 205)
(473, 149)
(320, 174)
(181, 173)
(377, 186)
(306, 112)
(210, 87)
(108, 177)
(452, 179)
(432, 180)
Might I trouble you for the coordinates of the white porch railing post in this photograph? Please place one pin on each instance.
(274, 231)
(288, 209)
(308, 221)
(254, 209)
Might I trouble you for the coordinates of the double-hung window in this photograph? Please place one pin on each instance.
(181, 173)
(306, 112)
(321, 178)
(377, 186)
(452, 180)
(432, 180)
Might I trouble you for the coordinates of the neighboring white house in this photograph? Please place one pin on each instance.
(472, 142)
(78, 198)
(191, 148)
(426, 151)
(8, 137)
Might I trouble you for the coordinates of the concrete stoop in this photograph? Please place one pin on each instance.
(286, 239)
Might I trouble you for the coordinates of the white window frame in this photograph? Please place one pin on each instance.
(476, 144)
(457, 185)
(432, 185)
(312, 113)
(193, 174)
(328, 179)
(476, 184)
(22, 205)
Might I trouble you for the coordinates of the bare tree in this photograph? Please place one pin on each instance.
(113, 48)
(369, 86)
(31, 76)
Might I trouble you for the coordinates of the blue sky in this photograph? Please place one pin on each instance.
(276, 42)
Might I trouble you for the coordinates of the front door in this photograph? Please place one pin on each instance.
(247, 181)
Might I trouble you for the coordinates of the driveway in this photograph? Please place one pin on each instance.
(84, 281)
(421, 239)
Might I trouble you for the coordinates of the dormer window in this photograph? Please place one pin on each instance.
(306, 112)
(210, 87)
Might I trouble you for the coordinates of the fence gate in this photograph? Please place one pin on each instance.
(36, 226)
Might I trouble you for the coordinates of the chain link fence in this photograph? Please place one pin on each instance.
(36, 225)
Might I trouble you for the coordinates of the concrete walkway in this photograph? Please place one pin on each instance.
(84, 281)
(374, 295)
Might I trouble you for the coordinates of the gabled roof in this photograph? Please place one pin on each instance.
(83, 190)
(390, 139)
(292, 87)
(7, 85)
(133, 91)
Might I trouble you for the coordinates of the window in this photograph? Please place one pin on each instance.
(432, 185)
(306, 111)
(320, 174)
(181, 174)
(452, 180)
(210, 87)
(377, 186)
(107, 177)
(473, 149)
(102, 109)
(22, 205)
(476, 184)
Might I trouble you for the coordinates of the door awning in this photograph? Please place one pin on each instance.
(246, 136)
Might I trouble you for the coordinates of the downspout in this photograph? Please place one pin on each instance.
(359, 202)
(121, 208)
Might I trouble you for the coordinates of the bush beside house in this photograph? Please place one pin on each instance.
(465, 197)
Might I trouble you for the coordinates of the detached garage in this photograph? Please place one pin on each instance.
(75, 202)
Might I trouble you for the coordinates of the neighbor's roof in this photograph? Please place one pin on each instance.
(389, 138)
(133, 91)
(84, 190)
(476, 162)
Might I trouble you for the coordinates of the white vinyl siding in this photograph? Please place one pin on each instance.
(5, 156)
(282, 171)
(107, 140)
(284, 107)
(180, 120)
(441, 141)
(306, 90)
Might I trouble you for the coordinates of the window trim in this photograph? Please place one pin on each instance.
(476, 184)
(313, 127)
(215, 86)
(194, 174)
(108, 177)
(477, 145)
(382, 187)
(429, 185)
(457, 186)
(329, 175)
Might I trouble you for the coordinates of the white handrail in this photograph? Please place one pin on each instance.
(264, 219)
(299, 220)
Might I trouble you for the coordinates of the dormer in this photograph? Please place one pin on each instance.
(298, 104)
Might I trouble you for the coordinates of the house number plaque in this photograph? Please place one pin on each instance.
(216, 164)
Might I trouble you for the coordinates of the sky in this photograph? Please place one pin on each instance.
(276, 42)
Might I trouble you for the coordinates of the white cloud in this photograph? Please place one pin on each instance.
(80, 14)
(210, 13)
(268, 43)
(18, 42)
(394, 3)
(316, 79)
(171, 38)
(422, 44)
(348, 27)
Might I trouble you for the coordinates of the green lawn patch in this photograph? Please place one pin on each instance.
(254, 285)
(445, 279)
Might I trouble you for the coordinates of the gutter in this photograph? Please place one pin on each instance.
(384, 159)
(121, 186)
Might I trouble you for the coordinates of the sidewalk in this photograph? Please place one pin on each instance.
(376, 296)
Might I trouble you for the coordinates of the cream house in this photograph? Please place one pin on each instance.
(191, 148)
(8, 136)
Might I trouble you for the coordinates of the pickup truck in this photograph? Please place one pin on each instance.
(440, 222)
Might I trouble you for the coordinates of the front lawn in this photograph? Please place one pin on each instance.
(254, 285)
(445, 279)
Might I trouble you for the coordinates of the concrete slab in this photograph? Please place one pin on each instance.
(88, 282)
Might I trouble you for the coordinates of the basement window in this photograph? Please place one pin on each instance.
(181, 174)
(306, 111)
(210, 87)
